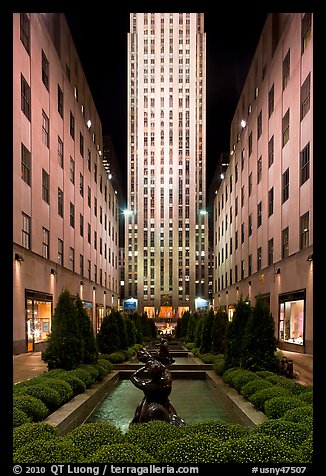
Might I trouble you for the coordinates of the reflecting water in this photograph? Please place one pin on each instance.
(194, 401)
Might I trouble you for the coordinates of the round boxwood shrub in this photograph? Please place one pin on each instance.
(120, 453)
(49, 396)
(193, 449)
(219, 366)
(83, 374)
(305, 451)
(77, 385)
(190, 345)
(219, 429)
(106, 364)
(253, 386)
(230, 374)
(302, 413)
(292, 434)
(55, 450)
(91, 370)
(152, 435)
(258, 398)
(208, 358)
(277, 406)
(116, 357)
(19, 417)
(33, 407)
(242, 377)
(61, 386)
(307, 396)
(100, 370)
(258, 449)
(265, 373)
(89, 437)
(294, 387)
(32, 431)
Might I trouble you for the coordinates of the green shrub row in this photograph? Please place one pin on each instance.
(36, 398)
(211, 441)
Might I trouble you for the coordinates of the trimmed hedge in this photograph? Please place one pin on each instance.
(120, 453)
(240, 378)
(152, 435)
(42, 391)
(259, 398)
(292, 434)
(83, 375)
(47, 451)
(277, 406)
(253, 386)
(89, 437)
(303, 413)
(193, 449)
(219, 429)
(29, 432)
(259, 449)
(33, 407)
(19, 417)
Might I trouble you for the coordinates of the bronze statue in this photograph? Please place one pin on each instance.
(155, 380)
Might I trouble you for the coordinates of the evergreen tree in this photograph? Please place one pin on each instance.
(65, 346)
(134, 316)
(235, 332)
(192, 325)
(152, 327)
(107, 338)
(90, 347)
(184, 324)
(206, 334)
(131, 331)
(259, 341)
(199, 329)
(122, 331)
(219, 327)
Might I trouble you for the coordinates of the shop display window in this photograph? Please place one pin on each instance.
(291, 323)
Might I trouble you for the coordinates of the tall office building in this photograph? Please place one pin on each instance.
(65, 210)
(263, 219)
(166, 241)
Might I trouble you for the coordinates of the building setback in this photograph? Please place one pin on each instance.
(263, 210)
(166, 241)
(65, 211)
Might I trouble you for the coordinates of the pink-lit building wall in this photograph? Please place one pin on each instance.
(270, 174)
(45, 59)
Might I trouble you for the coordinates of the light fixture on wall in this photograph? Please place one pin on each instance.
(277, 271)
(19, 257)
(53, 271)
(249, 283)
(94, 288)
(237, 288)
(310, 257)
(226, 292)
(81, 283)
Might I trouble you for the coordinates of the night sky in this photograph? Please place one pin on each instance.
(231, 40)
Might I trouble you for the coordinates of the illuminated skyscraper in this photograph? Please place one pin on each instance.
(166, 239)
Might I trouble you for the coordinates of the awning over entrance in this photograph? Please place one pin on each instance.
(166, 312)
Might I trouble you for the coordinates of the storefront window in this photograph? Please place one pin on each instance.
(291, 325)
(38, 318)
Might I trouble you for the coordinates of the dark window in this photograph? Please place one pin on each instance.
(26, 231)
(72, 215)
(60, 251)
(72, 170)
(250, 184)
(259, 124)
(60, 101)
(250, 144)
(259, 258)
(72, 125)
(305, 97)
(286, 69)
(45, 186)
(286, 128)
(285, 242)
(250, 224)
(60, 202)
(270, 151)
(45, 70)
(25, 97)
(26, 162)
(81, 184)
(305, 31)
(259, 214)
(25, 31)
(81, 144)
(45, 129)
(81, 224)
(81, 265)
(305, 164)
(285, 185)
(271, 201)
(259, 169)
(304, 231)
(60, 152)
(45, 243)
(271, 101)
(72, 259)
